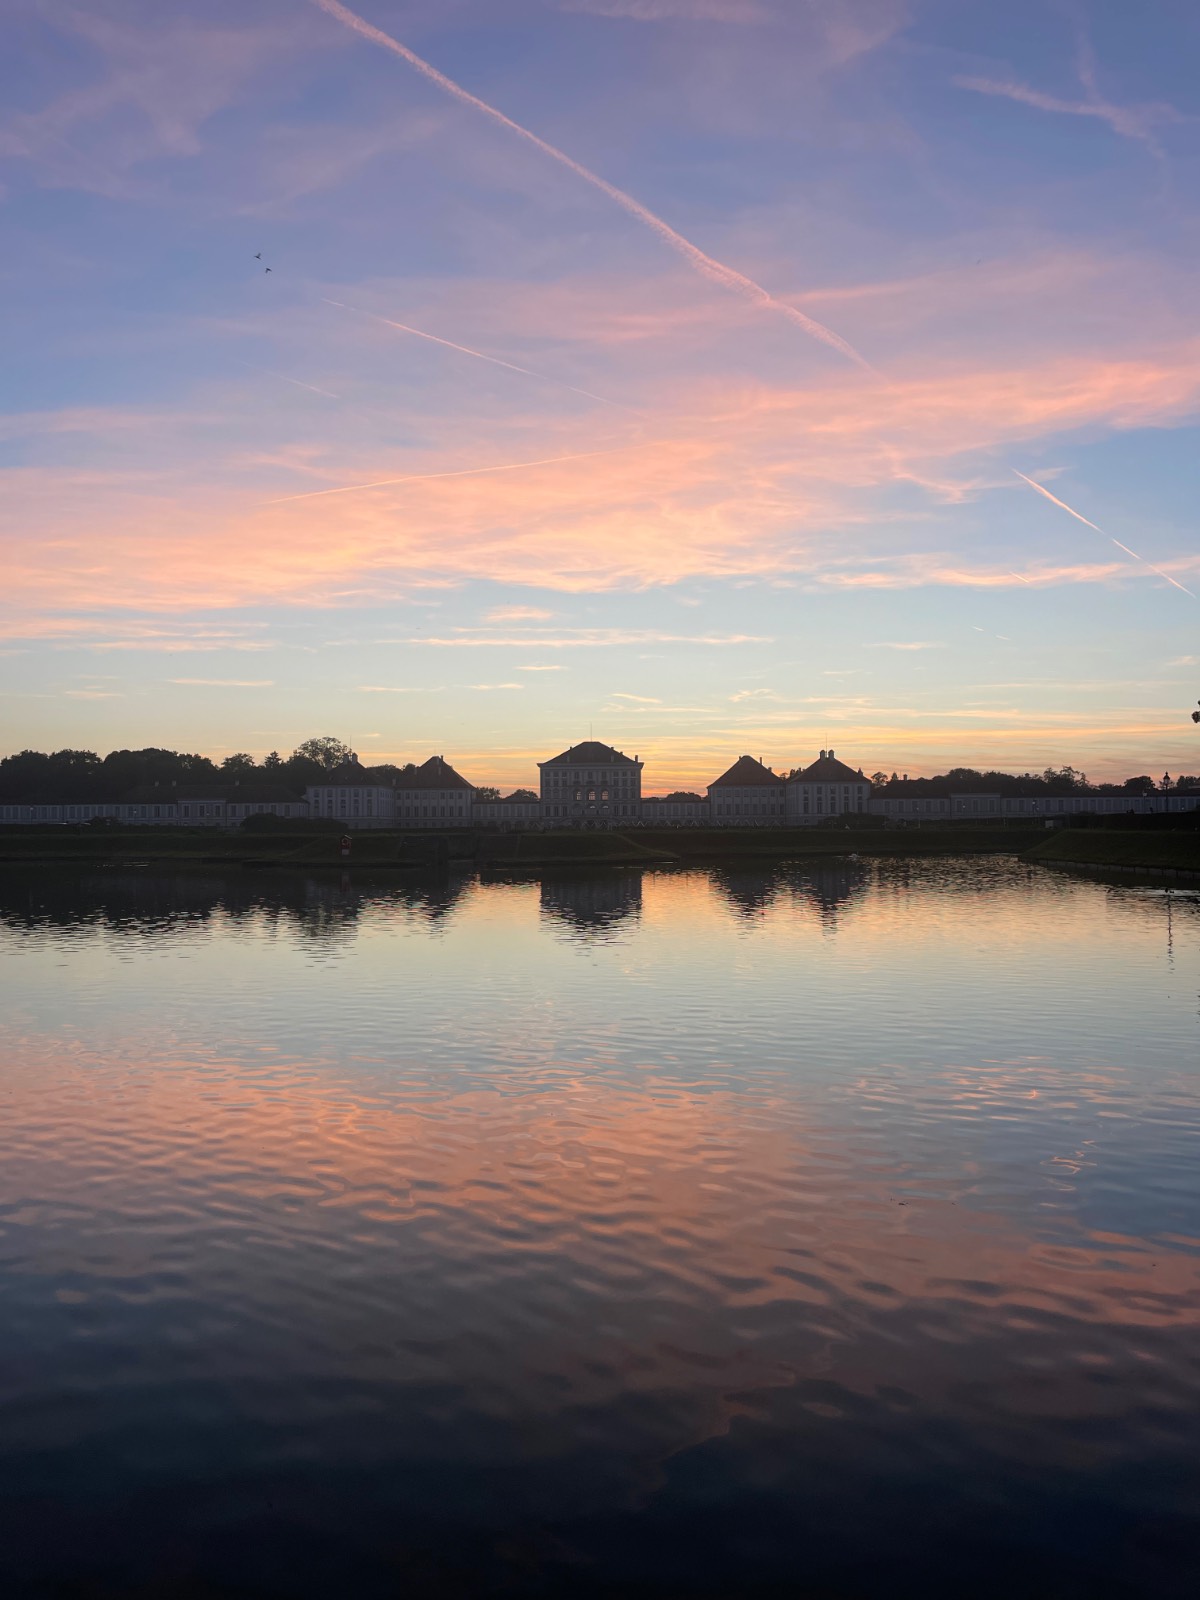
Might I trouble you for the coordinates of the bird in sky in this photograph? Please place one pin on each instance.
(258, 256)
(266, 269)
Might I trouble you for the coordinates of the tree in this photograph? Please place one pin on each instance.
(238, 767)
(1141, 785)
(273, 763)
(879, 779)
(486, 792)
(326, 752)
(682, 794)
(520, 794)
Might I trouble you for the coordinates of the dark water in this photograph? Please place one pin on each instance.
(755, 1232)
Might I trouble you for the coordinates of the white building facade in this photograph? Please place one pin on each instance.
(748, 795)
(591, 785)
(828, 788)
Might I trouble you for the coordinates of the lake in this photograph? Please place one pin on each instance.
(790, 1230)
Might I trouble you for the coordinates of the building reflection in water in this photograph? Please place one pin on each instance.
(751, 892)
(156, 903)
(593, 906)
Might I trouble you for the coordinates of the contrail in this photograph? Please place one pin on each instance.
(479, 355)
(717, 271)
(466, 472)
(1062, 504)
(283, 378)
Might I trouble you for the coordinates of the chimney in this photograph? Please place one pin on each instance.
(831, 755)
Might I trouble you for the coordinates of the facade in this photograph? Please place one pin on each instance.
(828, 788)
(915, 803)
(748, 795)
(351, 796)
(591, 785)
(674, 811)
(169, 806)
(507, 813)
(433, 795)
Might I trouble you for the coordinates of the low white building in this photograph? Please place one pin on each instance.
(507, 812)
(827, 788)
(675, 811)
(352, 796)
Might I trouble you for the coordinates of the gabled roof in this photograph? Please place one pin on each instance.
(351, 774)
(591, 753)
(744, 772)
(827, 769)
(436, 773)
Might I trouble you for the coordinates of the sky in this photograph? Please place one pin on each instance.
(707, 376)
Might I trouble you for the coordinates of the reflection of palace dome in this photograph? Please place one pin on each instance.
(593, 905)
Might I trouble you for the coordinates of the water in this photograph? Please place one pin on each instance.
(775, 1231)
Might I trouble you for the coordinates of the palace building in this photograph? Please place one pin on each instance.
(591, 785)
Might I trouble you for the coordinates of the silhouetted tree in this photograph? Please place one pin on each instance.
(327, 752)
(486, 792)
(238, 767)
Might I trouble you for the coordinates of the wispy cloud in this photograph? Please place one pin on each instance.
(642, 699)
(734, 11)
(590, 638)
(717, 271)
(226, 683)
(906, 644)
(479, 355)
(1130, 122)
(517, 613)
(489, 686)
(542, 666)
(461, 472)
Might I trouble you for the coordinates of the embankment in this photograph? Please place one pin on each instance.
(1124, 850)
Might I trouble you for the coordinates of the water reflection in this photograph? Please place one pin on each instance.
(828, 888)
(591, 906)
(710, 1264)
(152, 901)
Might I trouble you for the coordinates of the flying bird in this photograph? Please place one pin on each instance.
(266, 269)
(258, 257)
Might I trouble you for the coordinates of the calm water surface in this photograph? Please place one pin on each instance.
(804, 1232)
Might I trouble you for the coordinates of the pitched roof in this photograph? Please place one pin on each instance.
(351, 773)
(827, 769)
(436, 773)
(744, 772)
(591, 753)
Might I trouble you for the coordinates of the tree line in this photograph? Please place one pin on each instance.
(1053, 781)
(82, 775)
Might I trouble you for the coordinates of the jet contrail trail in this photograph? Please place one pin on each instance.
(1063, 506)
(466, 472)
(283, 378)
(479, 355)
(717, 271)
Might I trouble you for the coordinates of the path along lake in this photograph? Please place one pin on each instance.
(825, 1231)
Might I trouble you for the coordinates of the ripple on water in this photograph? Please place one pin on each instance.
(635, 1229)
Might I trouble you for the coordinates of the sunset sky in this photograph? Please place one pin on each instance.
(665, 369)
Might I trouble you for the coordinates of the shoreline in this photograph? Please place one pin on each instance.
(1091, 849)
